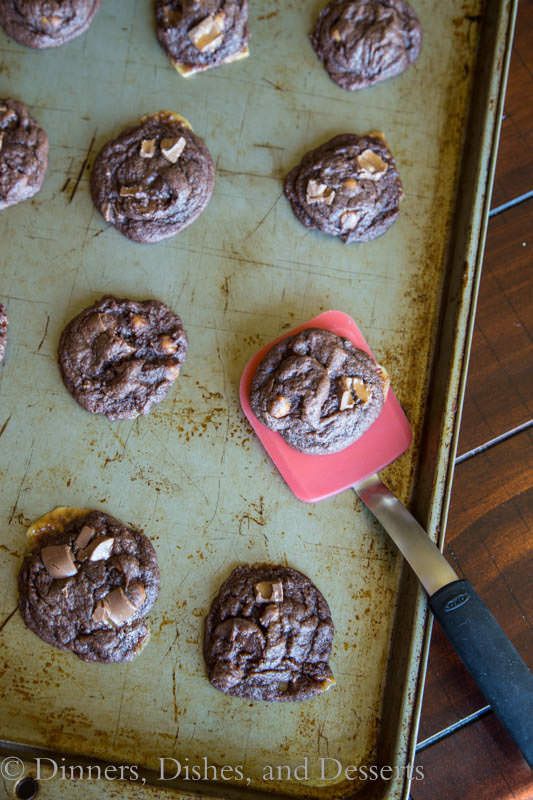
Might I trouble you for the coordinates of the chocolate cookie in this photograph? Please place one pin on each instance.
(348, 187)
(88, 584)
(153, 180)
(200, 35)
(120, 357)
(23, 153)
(268, 635)
(362, 42)
(320, 392)
(3, 331)
(46, 23)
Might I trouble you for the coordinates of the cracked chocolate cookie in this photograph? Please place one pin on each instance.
(87, 585)
(363, 42)
(200, 35)
(120, 357)
(348, 187)
(3, 331)
(23, 153)
(268, 635)
(319, 391)
(46, 23)
(153, 180)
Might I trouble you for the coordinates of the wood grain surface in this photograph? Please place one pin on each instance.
(499, 395)
(479, 761)
(490, 528)
(490, 541)
(515, 158)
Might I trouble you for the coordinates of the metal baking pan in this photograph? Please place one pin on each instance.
(191, 474)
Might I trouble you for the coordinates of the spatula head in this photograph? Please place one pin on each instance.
(315, 477)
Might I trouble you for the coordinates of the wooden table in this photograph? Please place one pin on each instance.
(464, 751)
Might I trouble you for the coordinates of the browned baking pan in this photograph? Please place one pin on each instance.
(191, 474)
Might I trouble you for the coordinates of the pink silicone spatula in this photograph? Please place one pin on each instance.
(490, 657)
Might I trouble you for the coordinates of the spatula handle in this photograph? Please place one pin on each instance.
(490, 657)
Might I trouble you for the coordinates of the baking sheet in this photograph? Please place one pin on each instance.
(191, 474)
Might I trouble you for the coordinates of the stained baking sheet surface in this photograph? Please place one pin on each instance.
(191, 474)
